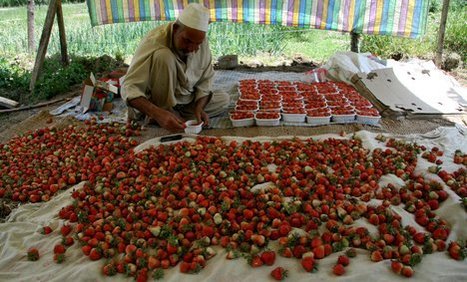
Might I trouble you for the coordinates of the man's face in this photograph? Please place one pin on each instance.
(187, 40)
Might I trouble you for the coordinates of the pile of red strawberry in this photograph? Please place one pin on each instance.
(168, 205)
(457, 180)
(36, 165)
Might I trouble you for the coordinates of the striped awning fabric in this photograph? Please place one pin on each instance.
(404, 18)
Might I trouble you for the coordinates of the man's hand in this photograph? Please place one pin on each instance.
(164, 118)
(200, 114)
(170, 121)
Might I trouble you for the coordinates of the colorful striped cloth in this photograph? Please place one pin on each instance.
(404, 18)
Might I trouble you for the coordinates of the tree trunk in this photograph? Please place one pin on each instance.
(442, 30)
(31, 38)
(61, 32)
(354, 42)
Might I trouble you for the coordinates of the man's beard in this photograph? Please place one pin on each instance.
(182, 53)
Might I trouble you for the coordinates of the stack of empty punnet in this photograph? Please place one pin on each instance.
(266, 102)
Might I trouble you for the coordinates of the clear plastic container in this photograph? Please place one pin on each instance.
(293, 117)
(343, 118)
(318, 120)
(267, 118)
(371, 120)
(242, 119)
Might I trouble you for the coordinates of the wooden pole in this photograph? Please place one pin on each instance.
(31, 37)
(354, 38)
(441, 32)
(61, 32)
(43, 43)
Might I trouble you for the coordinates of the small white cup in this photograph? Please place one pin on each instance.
(193, 127)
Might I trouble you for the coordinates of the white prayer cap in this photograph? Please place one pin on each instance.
(196, 16)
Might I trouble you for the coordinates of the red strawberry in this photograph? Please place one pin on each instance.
(109, 269)
(255, 261)
(142, 275)
(416, 249)
(376, 256)
(407, 271)
(319, 252)
(268, 257)
(338, 269)
(59, 249)
(441, 233)
(298, 251)
(327, 249)
(396, 266)
(308, 263)
(95, 254)
(420, 237)
(65, 230)
(374, 219)
(286, 252)
(279, 273)
(434, 204)
(33, 254)
(86, 249)
(344, 260)
(456, 251)
(185, 267)
(441, 245)
(68, 241)
(46, 230)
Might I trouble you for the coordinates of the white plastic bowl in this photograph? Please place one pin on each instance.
(193, 127)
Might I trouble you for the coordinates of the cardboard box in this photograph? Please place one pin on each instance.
(96, 93)
(116, 77)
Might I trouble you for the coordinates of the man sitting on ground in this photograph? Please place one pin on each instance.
(170, 76)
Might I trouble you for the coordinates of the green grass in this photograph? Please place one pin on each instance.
(319, 45)
(122, 39)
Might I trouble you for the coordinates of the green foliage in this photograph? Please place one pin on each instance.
(55, 79)
(396, 47)
(435, 6)
(458, 5)
(17, 3)
(425, 47)
(455, 39)
(13, 79)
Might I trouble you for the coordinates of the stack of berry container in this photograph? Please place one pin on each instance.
(248, 103)
(364, 111)
(266, 102)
